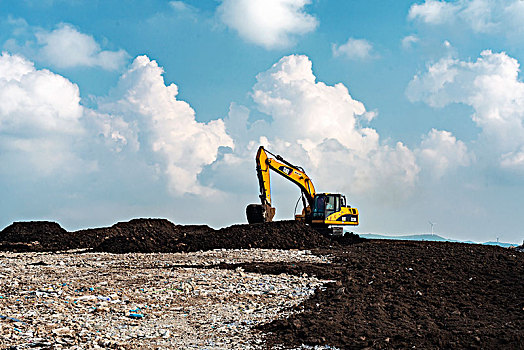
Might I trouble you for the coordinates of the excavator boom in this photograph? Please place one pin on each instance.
(265, 212)
(284, 168)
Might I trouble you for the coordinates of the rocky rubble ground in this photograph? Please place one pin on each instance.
(80, 300)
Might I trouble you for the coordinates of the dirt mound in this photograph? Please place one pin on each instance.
(398, 294)
(148, 236)
(34, 236)
(145, 236)
(162, 236)
(272, 235)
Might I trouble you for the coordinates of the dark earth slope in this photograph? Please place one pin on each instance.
(398, 294)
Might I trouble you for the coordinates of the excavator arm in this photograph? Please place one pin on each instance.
(265, 212)
(291, 172)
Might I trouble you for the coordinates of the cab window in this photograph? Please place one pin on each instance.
(330, 205)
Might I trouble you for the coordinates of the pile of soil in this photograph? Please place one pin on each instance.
(162, 236)
(398, 294)
(271, 235)
(141, 236)
(34, 236)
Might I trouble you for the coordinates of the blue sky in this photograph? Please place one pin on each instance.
(413, 109)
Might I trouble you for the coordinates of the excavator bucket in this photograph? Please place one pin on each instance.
(258, 213)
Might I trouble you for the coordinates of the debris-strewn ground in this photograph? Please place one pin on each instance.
(383, 294)
(144, 301)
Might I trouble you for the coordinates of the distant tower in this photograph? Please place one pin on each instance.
(432, 224)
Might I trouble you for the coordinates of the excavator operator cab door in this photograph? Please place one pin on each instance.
(325, 205)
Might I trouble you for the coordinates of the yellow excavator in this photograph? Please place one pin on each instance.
(326, 212)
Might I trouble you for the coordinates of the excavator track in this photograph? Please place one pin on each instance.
(329, 230)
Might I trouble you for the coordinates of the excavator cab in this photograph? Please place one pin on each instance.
(325, 205)
(331, 209)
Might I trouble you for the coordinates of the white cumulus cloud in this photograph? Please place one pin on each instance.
(482, 16)
(433, 11)
(180, 146)
(66, 47)
(141, 127)
(513, 160)
(441, 152)
(40, 118)
(268, 23)
(490, 85)
(180, 6)
(354, 49)
(409, 41)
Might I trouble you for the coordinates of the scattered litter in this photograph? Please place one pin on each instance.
(13, 319)
(144, 304)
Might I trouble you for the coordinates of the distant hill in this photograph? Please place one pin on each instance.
(430, 237)
(505, 245)
(424, 237)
